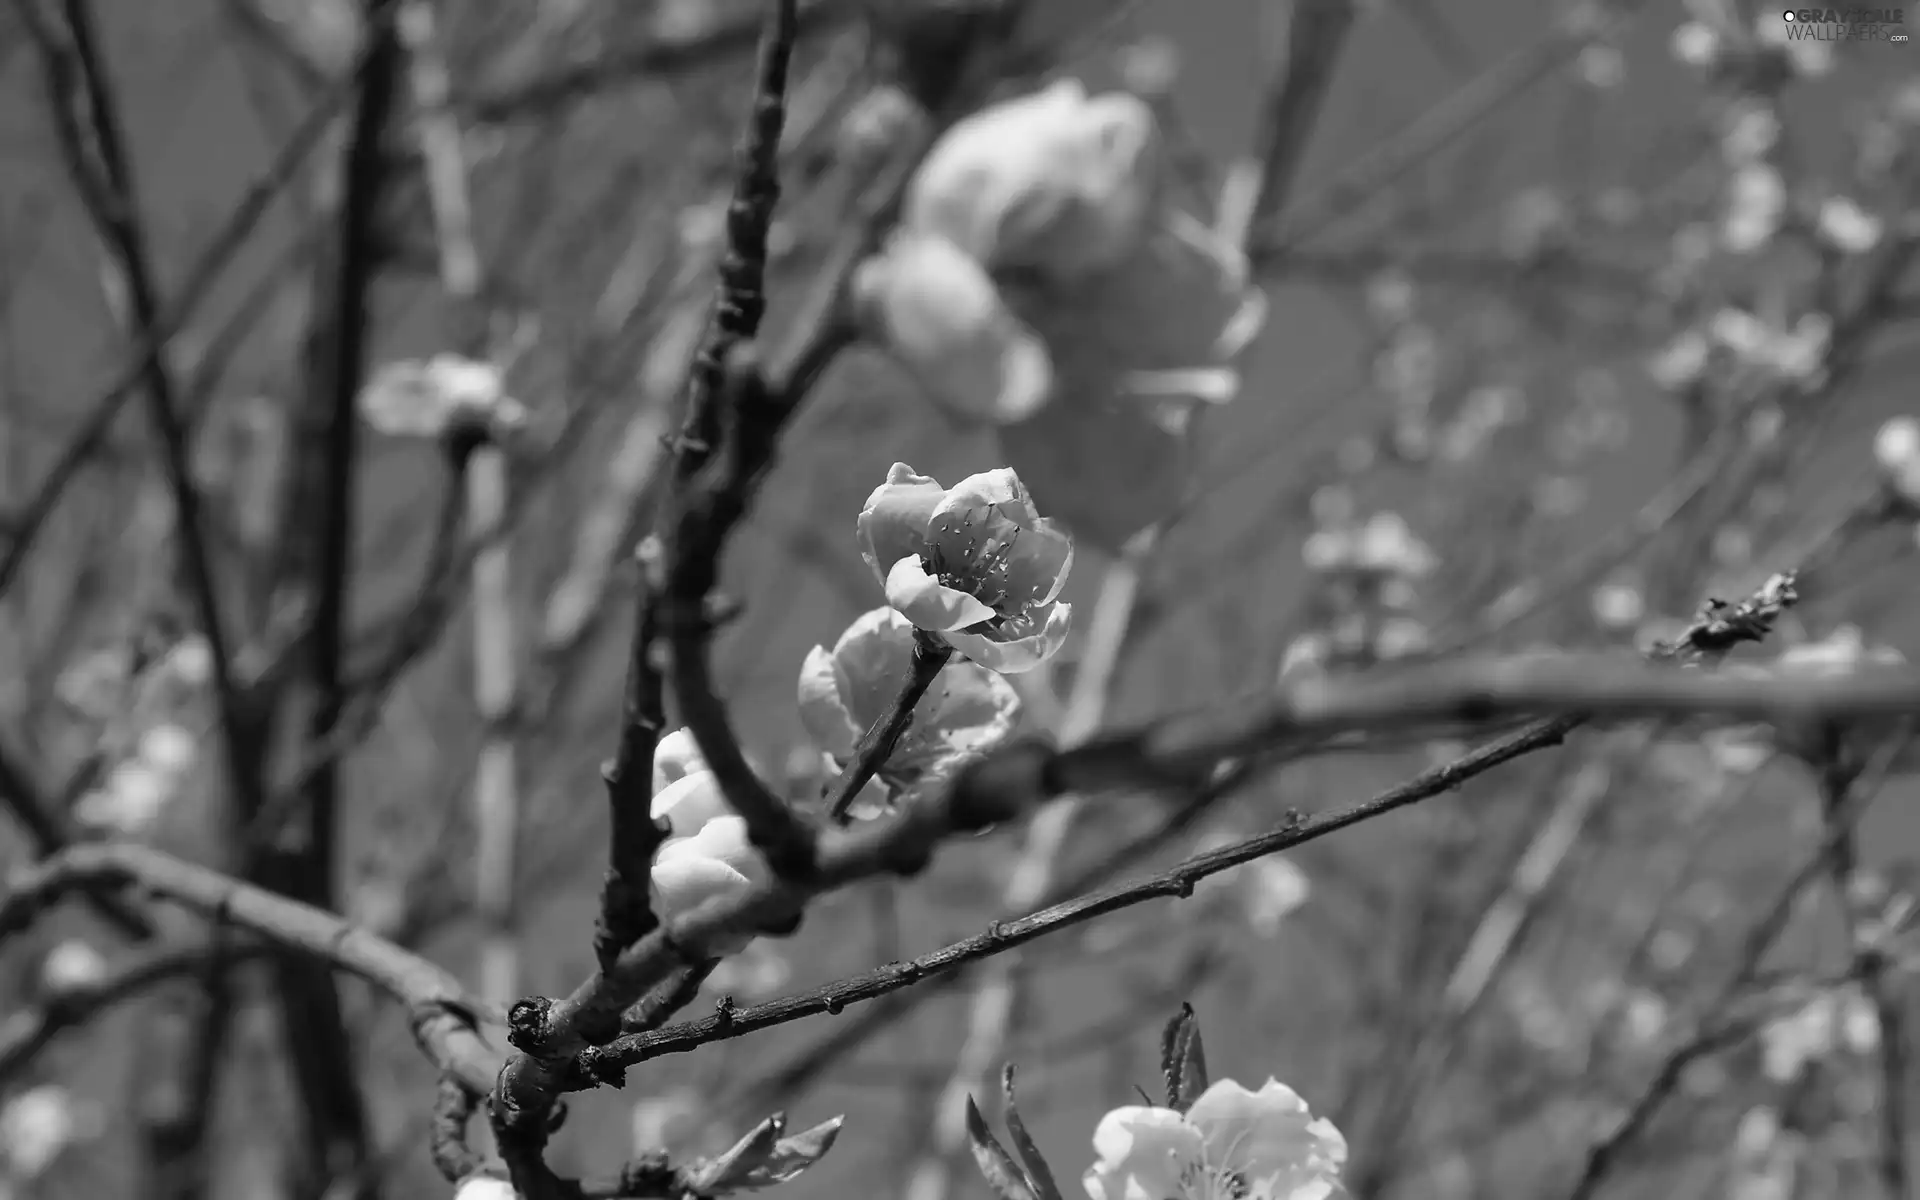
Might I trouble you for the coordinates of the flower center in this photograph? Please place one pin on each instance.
(978, 565)
(1199, 1181)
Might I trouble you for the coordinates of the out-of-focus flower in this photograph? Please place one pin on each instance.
(72, 965)
(1602, 65)
(422, 398)
(974, 563)
(1618, 605)
(1696, 44)
(191, 660)
(1266, 890)
(754, 973)
(168, 748)
(39, 1125)
(1750, 129)
(1849, 227)
(714, 866)
(1384, 545)
(1681, 363)
(966, 711)
(1756, 206)
(1233, 1143)
(128, 801)
(1055, 181)
(1799, 353)
(484, 1187)
(938, 313)
(660, 1121)
(1897, 449)
(95, 685)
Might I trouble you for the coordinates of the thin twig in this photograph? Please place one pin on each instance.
(495, 787)
(445, 1019)
(930, 655)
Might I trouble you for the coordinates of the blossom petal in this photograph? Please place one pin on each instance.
(893, 523)
(939, 313)
(999, 488)
(1143, 1154)
(689, 802)
(929, 603)
(1268, 1135)
(873, 657)
(968, 708)
(676, 756)
(716, 865)
(1015, 655)
(823, 712)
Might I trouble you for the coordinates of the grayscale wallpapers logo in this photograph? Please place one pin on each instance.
(1845, 24)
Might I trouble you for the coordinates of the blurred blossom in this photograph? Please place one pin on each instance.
(1409, 367)
(1057, 181)
(1750, 130)
(93, 686)
(1670, 949)
(1681, 363)
(1799, 353)
(1897, 449)
(1618, 605)
(191, 660)
(1232, 1143)
(1602, 65)
(72, 965)
(1789, 1042)
(660, 1121)
(753, 974)
(1737, 751)
(878, 120)
(1266, 890)
(943, 318)
(1400, 637)
(485, 1187)
(40, 1124)
(1643, 1017)
(1759, 1128)
(1696, 44)
(1756, 206)
(1390, 296)
(974, 563)
(128, 801)
(169, 749)
(1304, 654)
(1849, 227)
(1384, 545)
(423, 398)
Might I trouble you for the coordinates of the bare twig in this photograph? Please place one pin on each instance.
(495, 788)
(25, 1034)
(446, 1021)
(46, 829)
(930, 655)
(26, 524)
(626, 912)
(710, 491)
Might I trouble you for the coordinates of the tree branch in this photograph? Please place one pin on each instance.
(445, 1019)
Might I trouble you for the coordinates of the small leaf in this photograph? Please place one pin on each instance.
(730, 1169)
(1023, 1144)
(1002, 1174)
(792, 1155)
(1183, 1061)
